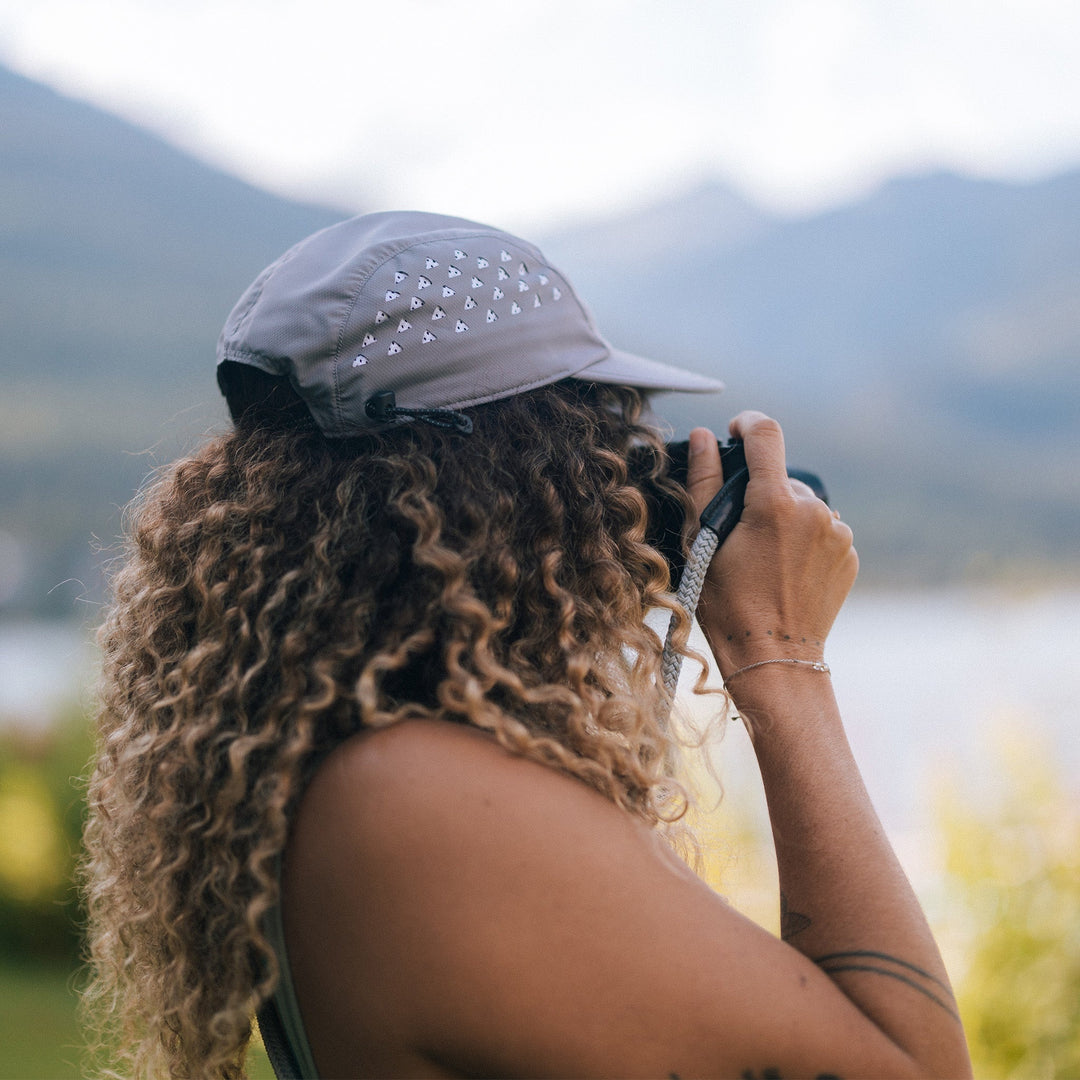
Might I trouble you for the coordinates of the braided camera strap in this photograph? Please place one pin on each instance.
(717, 520)
(693, 578)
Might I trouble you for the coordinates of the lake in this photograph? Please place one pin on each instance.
(934, 685)
(925, 680)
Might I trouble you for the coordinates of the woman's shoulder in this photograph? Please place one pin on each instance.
(426, 858)
(408, 753)
(424, 783)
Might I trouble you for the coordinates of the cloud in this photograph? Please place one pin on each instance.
(525, 112)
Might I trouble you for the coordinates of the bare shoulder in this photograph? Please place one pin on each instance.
(450, 906)
(447, 872)
(420, 761)
(424, 783)
(427, 755)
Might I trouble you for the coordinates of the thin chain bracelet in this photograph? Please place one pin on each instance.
(814, 665)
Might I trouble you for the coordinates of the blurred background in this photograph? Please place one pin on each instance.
(864, 217)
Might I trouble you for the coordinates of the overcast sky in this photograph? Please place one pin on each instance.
(532, 114)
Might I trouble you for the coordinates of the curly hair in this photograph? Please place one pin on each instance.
(279, 593)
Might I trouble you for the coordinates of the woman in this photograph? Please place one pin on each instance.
(383, 751)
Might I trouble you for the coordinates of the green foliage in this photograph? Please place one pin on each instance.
(42, 811)
(41, 819)
(1013, 871)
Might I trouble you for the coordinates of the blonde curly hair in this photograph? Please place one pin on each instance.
(281, 592)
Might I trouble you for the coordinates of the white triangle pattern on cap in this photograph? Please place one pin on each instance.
(618, 368)
(342, 314)
(387, 316)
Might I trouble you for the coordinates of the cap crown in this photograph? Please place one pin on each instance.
(444, 312)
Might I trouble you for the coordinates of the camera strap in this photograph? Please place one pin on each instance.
(717, 520)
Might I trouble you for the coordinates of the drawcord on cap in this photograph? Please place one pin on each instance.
(382, 407)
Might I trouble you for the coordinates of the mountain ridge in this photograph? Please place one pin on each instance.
(921, 345)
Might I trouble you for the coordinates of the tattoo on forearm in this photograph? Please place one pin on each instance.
(868, 954)
(870, 961)
(778, 636)
(791, 922)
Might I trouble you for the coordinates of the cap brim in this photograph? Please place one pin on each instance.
(625, 369)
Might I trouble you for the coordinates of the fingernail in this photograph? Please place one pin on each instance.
(699, 441)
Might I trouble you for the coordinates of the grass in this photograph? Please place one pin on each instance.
(39, 1036)
(38, 1032)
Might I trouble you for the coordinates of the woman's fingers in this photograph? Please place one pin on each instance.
(765, 457)
(783, 573)
(763, 443)
(704, 473)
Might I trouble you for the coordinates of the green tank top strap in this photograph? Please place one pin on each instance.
(280, 1023)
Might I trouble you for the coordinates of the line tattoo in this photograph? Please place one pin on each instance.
(834, 963)
(791, 922)
(870, 954)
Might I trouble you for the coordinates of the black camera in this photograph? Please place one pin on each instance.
(666, 513)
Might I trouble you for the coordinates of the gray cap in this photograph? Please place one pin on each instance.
(441, 312)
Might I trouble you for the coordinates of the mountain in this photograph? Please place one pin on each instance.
(120, 257)
(116, 244)
(920, 345)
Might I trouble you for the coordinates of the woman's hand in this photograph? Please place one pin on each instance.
(777, 583)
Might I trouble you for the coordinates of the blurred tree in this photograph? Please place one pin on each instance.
(31, 848)
(1013, 879)
(41, 817)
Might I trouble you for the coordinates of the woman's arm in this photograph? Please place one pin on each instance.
(772, 594)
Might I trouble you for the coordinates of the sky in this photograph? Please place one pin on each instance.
(553, 112)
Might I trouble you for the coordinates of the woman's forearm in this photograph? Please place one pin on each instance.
(845, 901)
(770, 598)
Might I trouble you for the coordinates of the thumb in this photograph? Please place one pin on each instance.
(704, 474)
